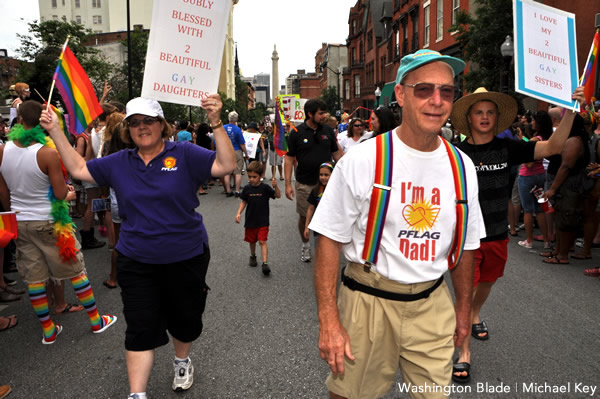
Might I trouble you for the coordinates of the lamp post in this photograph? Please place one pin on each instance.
(507, 50)
(337, 74)
(377, 96)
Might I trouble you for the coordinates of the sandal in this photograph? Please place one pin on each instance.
(580, 256)
(554, 260)
(548, 254)
(592, 272)
(480, 328)
(70, 308)
(12, 322)
(461, 368)
(107, 284)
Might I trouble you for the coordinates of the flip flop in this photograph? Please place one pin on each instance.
(12, 322)
(581, 256)
(547, 254)
(480, 328)
(460, 368)
(553, 260)
(108, 285)
(70, 308)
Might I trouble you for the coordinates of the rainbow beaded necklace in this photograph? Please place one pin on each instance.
(64, 229)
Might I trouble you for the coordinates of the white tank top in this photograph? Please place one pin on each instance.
(28, 185)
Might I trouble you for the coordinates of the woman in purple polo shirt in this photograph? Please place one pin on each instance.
(163, 249)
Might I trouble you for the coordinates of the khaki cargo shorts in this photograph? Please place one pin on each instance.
(302, 192)
(240, 163)
(37, 254)
(384, 334)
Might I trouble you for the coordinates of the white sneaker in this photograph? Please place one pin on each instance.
(184, 376)
(305, 254)
(58, 331)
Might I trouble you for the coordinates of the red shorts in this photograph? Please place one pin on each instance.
(253, 234)
(490, 260)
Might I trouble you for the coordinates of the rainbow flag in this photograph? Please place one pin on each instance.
(279, 140)
(588, 80)
(76, 91)
(8, 228)
(62, 122)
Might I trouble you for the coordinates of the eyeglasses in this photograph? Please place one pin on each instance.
(425, 90)
(146, 121)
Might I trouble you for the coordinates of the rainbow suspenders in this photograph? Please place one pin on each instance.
(380, 198)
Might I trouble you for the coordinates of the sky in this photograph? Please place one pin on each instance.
(297, 28)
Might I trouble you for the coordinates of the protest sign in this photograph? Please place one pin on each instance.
(297, 110)
(251, 143)
(185, 48)
(545, 53)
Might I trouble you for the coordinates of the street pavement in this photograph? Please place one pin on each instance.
(260, 335)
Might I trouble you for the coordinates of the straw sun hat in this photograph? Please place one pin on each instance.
(507, 110)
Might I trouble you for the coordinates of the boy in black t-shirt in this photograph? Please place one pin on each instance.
(256, 196)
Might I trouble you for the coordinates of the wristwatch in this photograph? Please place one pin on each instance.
(218, 125)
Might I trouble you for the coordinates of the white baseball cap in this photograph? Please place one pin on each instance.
(144, 106)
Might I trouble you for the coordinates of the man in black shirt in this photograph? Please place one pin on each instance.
(311, 144)
(481, 116)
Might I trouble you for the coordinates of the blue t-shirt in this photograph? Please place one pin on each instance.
(184, 135)
(235, 135)
(157, 202)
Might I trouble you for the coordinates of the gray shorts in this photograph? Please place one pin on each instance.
(274, 159)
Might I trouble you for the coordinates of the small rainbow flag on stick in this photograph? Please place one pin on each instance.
(76, 91)
(279, 131)
(588, 80)
(8, 228)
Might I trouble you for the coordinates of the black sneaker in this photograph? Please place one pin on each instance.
(252, 262)
(237, 194)
(229, 194)
(266, 269)
(9, 281)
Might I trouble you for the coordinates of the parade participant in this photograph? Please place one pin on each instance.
(356, 134)
(46, 245)
(382, 120)
(255, 199)
(481, 116)
(163, 251)
(23, 93)
(395, 310)
(315, 196)
(239, 146)
(311, 144)
(275, 160)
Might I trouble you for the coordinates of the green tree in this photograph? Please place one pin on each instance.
(42, 46)
(138, 49)
(330, 97)
(480, 36)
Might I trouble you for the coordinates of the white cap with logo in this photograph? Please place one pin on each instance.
(144, 106)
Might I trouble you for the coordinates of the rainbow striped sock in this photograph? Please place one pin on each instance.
(83, 290)
(39, 300)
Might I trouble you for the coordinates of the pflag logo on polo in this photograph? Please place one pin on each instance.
(169, 164)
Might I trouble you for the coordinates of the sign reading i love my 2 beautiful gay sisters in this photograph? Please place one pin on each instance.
(185, 48)
(545, 53)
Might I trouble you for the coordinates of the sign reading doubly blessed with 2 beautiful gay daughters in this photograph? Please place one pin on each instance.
(546, 53)
(185, 48)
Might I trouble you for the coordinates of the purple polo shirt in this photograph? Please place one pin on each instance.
(157, 201)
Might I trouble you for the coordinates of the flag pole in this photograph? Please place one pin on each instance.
(59, 60)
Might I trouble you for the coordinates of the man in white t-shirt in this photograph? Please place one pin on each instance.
(364, 337)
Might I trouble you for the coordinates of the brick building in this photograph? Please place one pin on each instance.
(9, 68)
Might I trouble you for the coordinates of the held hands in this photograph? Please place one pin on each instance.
(593, 169)
(274, 182)
(212, 105)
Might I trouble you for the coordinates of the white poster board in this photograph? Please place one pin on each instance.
(297, 110)
(545, 53)
(185, 49)
(251, 143)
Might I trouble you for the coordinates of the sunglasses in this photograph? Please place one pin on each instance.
(425, 90)
(136, 122)
(358, 125)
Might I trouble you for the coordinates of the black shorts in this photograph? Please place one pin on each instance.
(160, 298)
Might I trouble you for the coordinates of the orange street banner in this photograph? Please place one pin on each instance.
(185, 48)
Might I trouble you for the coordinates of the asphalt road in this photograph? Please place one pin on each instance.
(260, 336)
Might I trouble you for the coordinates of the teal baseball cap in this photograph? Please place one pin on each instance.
(415, 60)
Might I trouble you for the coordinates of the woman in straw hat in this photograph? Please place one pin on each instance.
(481, 116)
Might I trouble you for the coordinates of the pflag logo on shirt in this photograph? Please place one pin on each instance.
(421, 215)
(169, 164)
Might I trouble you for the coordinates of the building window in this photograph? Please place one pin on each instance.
(347, 89)
(370, 40)
(77, 5)
(354, 55)
(356, 86)
(54, 5)
(78, 19)
(97, 19)
(427, 30)
(354, 27)
(96, 4)
(55, 17)
(455, 10)
(440, 20)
